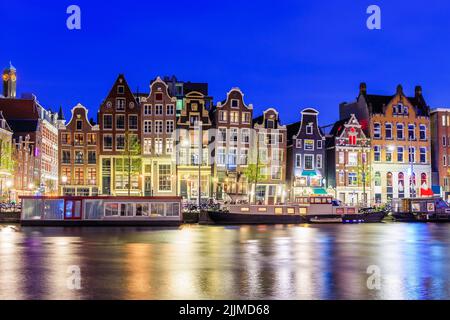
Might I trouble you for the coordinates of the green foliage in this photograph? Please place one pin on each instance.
(7, 163)
(131, 156)
(254, 172)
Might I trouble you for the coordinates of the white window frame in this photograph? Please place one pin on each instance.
(112, 141)
(319, 161)
(147, 126)
(312, 161)
(298, 160)
(124, 142)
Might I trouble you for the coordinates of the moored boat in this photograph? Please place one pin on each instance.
(314, 209)
(323, 209)
(100, 211)
(259, 214)
(432, 209)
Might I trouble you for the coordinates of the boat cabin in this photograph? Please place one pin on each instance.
(324, 205)
(74, 210)
(420, 205)
(267, 209)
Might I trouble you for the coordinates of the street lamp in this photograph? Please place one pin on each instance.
(9, 185)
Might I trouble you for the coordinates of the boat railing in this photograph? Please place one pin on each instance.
(267, 209)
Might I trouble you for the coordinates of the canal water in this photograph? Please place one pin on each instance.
(405, 261)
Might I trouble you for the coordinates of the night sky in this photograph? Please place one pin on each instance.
(283, 54)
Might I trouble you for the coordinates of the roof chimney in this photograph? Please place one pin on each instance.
(418, 91)
(362, 88)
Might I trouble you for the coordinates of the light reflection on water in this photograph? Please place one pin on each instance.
(211, 262)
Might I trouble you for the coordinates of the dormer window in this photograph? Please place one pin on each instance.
(400, 109)
(120, 89)
(158, 97)
(234, 103)
(270, 124)
(309, 129)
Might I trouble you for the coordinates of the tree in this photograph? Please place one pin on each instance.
(7, 163)
(132, 162)
(254, 174)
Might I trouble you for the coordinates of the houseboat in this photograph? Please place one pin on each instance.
(259, 214)
(313, 209)
(323, 209)
(100, 211)
(433, 209)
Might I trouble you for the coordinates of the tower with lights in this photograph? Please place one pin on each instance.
(9, 82)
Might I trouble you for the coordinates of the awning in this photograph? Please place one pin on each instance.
(319, 191)
(426, 192)
(309, 173)
(436, 190)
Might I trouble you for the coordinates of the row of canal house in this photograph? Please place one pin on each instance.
(173, 139)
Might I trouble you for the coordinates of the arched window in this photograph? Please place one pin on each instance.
(389, 185)
(400, 131)
(401, 185)
(388, 130)
(411, 131)
(377, 131)
(423, 132)
(412, 185)
(423, 181)
(377, 179)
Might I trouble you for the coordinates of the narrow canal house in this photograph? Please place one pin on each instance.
(348, 168)
(269, 159)
(30, 121)
(306, 156)
(440, 154)
(158, 114)
(193, 145)
(233, 140)
(399, 129)
(78, 154)
(120, 146)
(6, 160)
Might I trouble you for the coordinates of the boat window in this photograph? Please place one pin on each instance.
(278, 210)
(263, 209)
(157, 209)
(245, 209)
(93, 209)
(290, 210)
(415, 206)
(111, 209)
(329, 200)
(302, 210)
(172, 209)
(324, 200)
(126, 209)
(53, 209)
(31, 209)
(441, 204)
(430, 206)
(142, 209)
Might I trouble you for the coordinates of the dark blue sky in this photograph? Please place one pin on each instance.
(282, 54)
